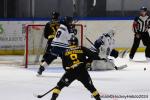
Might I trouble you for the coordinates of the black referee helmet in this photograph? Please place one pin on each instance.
(143, 9)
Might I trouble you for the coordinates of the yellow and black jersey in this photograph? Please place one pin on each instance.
(51, 29)
(75, 56)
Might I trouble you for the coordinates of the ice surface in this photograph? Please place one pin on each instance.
(18, 83)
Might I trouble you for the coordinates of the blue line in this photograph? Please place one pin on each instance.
(80, 18)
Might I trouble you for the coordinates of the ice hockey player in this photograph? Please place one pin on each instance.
(60, 41)
(74, 64)
(104, 45)
(49, 33)
(141, 25)
(64, 33)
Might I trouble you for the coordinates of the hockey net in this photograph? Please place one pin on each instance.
(36, 43)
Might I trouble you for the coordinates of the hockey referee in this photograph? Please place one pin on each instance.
(141, 25)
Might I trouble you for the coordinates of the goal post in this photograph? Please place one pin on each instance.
(36, 43)
(28, 29)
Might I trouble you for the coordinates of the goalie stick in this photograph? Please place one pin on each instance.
(42, 95)
(116, 68)
(121, 67)
(90, 42)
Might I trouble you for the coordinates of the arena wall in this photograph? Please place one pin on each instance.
(12, 33)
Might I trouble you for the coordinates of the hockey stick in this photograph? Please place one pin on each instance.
(123, 53)
(42, 95)
(121, 67)
(89, 40)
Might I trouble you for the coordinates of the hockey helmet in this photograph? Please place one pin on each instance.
(55, 15)
(143, 9)
(73, 40)
(67, 20)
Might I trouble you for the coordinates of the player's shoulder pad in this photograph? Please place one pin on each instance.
(63, 27)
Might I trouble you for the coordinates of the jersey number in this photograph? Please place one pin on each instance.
(74, 58)
(58, 34)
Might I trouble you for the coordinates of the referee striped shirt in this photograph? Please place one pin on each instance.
(141, 24)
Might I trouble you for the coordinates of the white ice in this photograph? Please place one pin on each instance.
(17, 83)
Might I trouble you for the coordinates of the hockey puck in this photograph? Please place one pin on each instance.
(144, 69)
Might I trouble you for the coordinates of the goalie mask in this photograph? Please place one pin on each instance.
(111, 33)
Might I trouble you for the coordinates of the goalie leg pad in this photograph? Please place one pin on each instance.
(102, 65)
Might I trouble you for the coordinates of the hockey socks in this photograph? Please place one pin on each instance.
(96, 95)
(56, 92)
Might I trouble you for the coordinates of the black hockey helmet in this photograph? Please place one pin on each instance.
(55, 15)
(67, 20)
(73, 40)
(143, 9)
